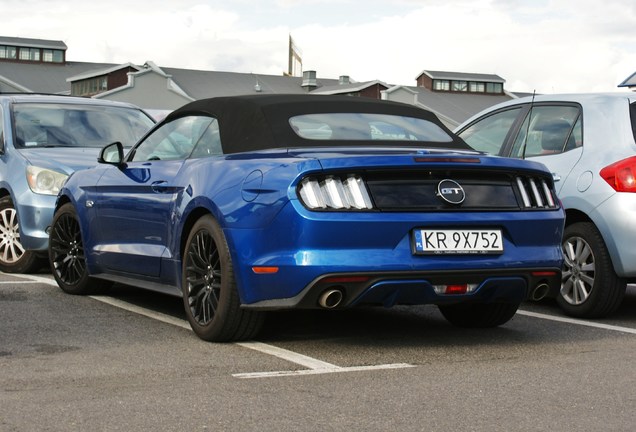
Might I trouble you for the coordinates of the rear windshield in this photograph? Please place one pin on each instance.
(365, 127)
(66, 125)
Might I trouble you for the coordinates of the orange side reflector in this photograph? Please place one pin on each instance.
(265, 270)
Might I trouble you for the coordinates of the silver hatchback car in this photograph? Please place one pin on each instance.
(588, 141)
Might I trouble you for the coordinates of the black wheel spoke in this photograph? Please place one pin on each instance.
(67, 250)
(203, 277)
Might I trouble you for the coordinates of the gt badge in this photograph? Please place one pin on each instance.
(451, 192)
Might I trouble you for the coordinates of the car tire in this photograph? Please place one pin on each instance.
(589, 288)
(13, 257)
(479, 315)
(66, 254)
(210, 294)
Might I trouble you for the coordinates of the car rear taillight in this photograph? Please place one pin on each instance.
(333, 192)
(621, 175)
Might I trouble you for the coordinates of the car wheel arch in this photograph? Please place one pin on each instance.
(63, 199)
(193, 216)
(575, 215)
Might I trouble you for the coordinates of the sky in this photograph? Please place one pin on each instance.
(547, 46)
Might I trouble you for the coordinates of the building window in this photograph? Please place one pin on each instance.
(8, 52)
(477, 87)
(460, 86)
(30, 54)
(89, 87)
(441, 85)
(52, 56)
(494, 88)
(467, 86)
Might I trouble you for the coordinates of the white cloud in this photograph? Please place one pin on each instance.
(545, 45)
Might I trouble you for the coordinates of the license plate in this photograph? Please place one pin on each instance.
(451, 241)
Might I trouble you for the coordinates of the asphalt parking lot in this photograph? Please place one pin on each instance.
(128, 361)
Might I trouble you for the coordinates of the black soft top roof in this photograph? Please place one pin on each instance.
(258, 122)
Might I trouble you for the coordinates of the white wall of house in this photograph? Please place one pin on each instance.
(148, 90)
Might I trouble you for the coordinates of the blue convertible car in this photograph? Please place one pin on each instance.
(246, 204)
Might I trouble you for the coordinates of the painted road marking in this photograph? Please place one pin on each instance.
(575, 321)
(313, 366)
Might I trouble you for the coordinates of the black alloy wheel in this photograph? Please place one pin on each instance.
(210, 296)
(66, 254)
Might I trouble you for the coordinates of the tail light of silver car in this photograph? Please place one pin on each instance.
(335, 192)
(621, 175)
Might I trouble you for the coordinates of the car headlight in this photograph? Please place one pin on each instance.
(335, 193)
(45, 181)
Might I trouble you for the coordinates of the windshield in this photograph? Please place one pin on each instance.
(66, 125)
(365, 127)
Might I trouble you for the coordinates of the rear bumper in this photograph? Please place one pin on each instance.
(616, 220)
(412, 288)
(303, 249)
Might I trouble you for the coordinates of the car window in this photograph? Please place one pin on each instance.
(210, 142)
(77, 125)
(548, 130)
(489, 134)
(364, 126)
(174, 140)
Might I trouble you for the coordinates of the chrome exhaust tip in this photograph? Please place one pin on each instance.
(540, 291)
(331, 298)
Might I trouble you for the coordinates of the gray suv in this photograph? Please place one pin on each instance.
(43, 139)
(588, 141)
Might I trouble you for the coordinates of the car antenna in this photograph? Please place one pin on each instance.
(525, 141)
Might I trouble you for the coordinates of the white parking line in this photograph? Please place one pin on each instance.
(335, 369)
(157, 316)
(15, 282)
(578, 322)
(314, 366)
(34, 278)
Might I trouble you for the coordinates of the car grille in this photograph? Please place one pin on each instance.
(492, 191)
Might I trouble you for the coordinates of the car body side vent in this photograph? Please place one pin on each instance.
(535, 193)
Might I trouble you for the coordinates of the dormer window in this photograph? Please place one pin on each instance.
(467, 86)
(89, 87)
(8, 52)
(441, 85)
(32, 50)
(30, 54)
(52, 56)
(459, 82)
(460, 86)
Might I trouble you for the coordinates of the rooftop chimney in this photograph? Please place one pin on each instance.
(309, 80)
(344, 79)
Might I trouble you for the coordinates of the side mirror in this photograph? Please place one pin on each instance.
(112, 154)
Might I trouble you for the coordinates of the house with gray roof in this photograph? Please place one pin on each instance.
(452, 96)
(40, 66)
